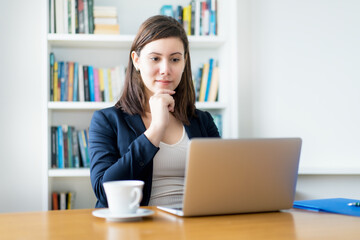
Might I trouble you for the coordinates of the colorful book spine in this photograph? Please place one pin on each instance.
(96, 85)
(208, 83)
(76, 82)
(101, 84)
(56, 74)
(110, 84)
(60, 148)
(81, 83)
(86, 84)
(91, 83)
(106, 85)
(52, 61)
(70, 81)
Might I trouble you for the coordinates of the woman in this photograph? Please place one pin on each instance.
(145, 135)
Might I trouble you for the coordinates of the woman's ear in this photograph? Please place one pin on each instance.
(135, 60)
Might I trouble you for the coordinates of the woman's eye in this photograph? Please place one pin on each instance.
(175, 59)
(154, 58)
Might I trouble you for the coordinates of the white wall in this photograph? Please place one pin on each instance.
(304, 81)
(305, 78)
(20, 104)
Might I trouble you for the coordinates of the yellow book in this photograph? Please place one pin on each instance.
(101, 83)
(214, 85)
(56, 90)
(71, 81)
(110, 85)
(203, 84)
(187, 19)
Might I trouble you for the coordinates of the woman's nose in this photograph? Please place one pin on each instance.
(164, 68)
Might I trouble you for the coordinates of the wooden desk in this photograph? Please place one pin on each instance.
(80, 224)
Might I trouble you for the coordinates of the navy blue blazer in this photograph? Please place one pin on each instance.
(119, 150)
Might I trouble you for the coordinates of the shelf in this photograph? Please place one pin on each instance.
(79, 105)
(73, 172)
(120, 41)
(101, 105)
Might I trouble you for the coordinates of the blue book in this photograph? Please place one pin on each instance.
(76, 82)
(91, 83)
(61, 78)
(208, 84)
(60, 148)
(330, 205)
(167, 10)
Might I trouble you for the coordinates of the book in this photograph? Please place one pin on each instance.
(75, 149)
(203, 85)
(60, 147)
(86, 83)
(81, 83)
(59, 16)
(178, 14)
(208, 83)
(55, 201)
(96, 85)
(101, 84)
(51, 16)
(70, 146)
(54, 160)
(187, 19)
(91, 15)
(105, 12)
(192, 23)
(72, 24)
(62, 201)
(167, 10)
(65, 145)
(218, 121)
(214, 87)
(76, 82)
(55, 85)
(213, 18)
(70, 81)
(52, 61)
(86, 16)
(81, 16)
(91, 83)
(107, 29)
(110, 84)
(106, 85)
(330, 205)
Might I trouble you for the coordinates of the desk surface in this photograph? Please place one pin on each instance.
(80, 224)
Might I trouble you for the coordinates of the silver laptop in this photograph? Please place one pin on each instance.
(229, 176)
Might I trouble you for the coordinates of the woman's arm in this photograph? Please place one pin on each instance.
(115, 152)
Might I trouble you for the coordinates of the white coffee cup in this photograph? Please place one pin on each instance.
(123, 197)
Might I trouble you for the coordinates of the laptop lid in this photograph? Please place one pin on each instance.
(227, 176)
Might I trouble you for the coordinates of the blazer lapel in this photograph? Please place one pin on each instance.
(135, 123)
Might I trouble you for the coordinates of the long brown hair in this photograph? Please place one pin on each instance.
(133, 100)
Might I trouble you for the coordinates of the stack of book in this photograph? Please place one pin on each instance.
(105, 19)
(199, 17)
(206, 82)
(71, 16)
(71, 81)
(63, 200)
(69, 147)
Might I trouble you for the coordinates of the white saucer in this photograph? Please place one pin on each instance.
(129, 217)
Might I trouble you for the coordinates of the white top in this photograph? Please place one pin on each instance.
(168, 173)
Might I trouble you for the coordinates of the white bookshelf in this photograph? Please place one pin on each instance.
(111, 50)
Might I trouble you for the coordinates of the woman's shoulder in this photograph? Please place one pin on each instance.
(202, 114)
(111, 114)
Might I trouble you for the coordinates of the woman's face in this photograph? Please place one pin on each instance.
(161, 64)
